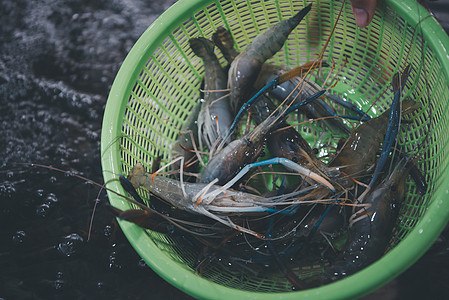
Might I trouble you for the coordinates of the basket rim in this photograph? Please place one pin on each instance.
(357, 285)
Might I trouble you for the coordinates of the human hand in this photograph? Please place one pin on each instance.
(363, 11)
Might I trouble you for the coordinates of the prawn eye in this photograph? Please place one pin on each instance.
(248, 143)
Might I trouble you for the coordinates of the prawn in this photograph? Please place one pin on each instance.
(231, 159)
(370, 234)
(214, 201)
(283, 143)
(247, 65)
(363, 143)
(215, 116)
(226, 203)
(288, 142)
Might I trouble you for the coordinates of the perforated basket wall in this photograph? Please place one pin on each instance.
(158, 84)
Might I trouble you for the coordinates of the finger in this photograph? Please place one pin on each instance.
(363, 11)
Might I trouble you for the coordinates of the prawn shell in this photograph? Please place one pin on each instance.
(362, 145)
(242, 74)
(229, 161)
(215, 117)
(229, 202)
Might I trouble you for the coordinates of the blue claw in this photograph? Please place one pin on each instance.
(305, 102)
(392, 129)
(288, 211)
(245, 107)
(348, 105)
(363, 117)
(286, 163)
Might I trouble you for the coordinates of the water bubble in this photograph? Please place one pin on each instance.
(58, 284)
(92, 135)
(18, 237)
(142, 264)
(7, 189)
(51, 199)
(39, 193)
(107, 231)
(42, 210)
(70, 244)
(113, 264)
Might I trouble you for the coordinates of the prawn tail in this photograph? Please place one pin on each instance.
(296, 19)
(222, 38)
(286, 27)
(399, 80)
(267, 44)
(142, 218)
(202, 47)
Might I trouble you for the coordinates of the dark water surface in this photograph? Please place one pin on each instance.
(57, 62)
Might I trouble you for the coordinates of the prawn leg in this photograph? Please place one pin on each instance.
(292, 277)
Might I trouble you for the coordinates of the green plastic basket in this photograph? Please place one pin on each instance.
(158, 83)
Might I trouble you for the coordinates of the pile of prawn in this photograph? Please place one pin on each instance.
(246, 185)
